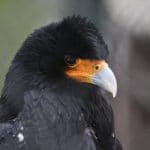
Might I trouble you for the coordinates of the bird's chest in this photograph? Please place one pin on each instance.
(65, 119)
(92, 119)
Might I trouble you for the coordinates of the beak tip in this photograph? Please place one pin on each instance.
(114, 91)
(114, 94)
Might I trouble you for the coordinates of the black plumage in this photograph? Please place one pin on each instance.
(43, 109)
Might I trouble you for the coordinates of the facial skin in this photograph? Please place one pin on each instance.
(95, 72)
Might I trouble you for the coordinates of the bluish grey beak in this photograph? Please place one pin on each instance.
(106, 79)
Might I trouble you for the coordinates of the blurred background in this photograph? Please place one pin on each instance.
(125, 26)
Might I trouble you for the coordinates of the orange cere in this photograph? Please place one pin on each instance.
(84, 69)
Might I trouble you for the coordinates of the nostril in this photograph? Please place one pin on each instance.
(97, 67)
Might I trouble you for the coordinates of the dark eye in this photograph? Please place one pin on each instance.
(97, 67)
(69, 60)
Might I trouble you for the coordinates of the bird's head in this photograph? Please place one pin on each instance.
(72, 49)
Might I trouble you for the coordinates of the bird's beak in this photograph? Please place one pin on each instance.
(95, 72)
(106, 79)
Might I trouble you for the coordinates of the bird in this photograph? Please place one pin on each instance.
(53, 94)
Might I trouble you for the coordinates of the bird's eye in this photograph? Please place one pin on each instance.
(69, 60)
(97, 67)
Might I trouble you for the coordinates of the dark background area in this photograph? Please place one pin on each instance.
(125, 26)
